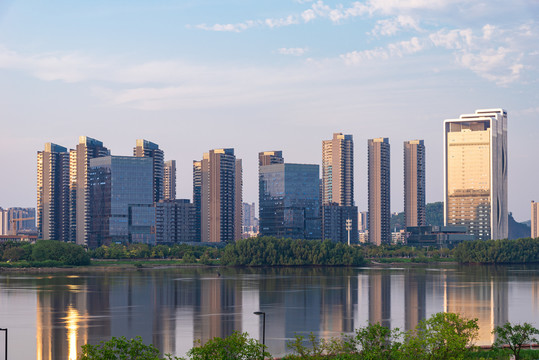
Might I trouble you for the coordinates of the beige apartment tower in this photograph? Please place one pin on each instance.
(338, 170)
(475, 173)
(379, 191)
(219, 176)
(534, 221)
(414, 183)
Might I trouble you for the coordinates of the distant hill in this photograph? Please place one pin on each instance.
(435, 216)
(518, 230)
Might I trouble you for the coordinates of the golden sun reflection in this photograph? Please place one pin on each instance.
(72, 322)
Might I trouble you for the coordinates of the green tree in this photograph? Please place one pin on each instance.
(238, 346)
(377, 342)
(515, 336)
(442, 336)
(65, 253)
(122, 349)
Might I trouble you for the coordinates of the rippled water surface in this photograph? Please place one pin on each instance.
(49, 316)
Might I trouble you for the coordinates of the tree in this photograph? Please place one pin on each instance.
(237, 346)
(122, 349)
(515, 336)
(377, 342)
(442, 336)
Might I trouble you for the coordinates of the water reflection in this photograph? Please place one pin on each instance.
(172, 308)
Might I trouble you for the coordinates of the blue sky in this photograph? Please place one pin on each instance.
(265, 75)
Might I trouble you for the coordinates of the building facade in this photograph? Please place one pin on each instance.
(149, 149)
(270, 158)
(53, 193)
(337, 188)
(475, 173)
(174, 221)
(18, 221)
(170, 180)
(414, 183)
(338, 170)
(121, 197)
(379, 191)
(87, 149)
(197, 197)
(217, 179)
(289, 201)
(534, 221)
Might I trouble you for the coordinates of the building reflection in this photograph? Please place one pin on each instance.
(473, 297)
(380, 298)
(61, 317)
(415, 303)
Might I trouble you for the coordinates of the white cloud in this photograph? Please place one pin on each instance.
(398, 6)
(292, 51)
(238, 27)
(69, 67)
(389, 27)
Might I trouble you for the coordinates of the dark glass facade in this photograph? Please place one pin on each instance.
(290, 201)
(121, 193)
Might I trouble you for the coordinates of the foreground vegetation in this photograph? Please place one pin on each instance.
(442, 336)
(268, 251)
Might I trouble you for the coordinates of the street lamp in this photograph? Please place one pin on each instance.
(6, 340)
(263, 325)
(348, 228)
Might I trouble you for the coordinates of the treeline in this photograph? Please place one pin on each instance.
(498, 251)
(271, 251)
(44, 253)
(187, 253)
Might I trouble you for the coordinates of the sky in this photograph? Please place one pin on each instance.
(259, 75)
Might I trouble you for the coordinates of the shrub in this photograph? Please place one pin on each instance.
(237, 346)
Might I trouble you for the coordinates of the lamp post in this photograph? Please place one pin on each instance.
(6, 340)
(348, 228)
(263, 325)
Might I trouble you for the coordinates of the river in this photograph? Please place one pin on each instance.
(49, 316)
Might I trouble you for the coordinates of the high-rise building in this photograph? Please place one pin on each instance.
(475, 173)
(338, 170)
(170, 180)
(147, 148)
(334, 223)
(379, 191)
(534, 221)
(18, 221)
(337, 190)
(121, 197)
(289, 201)
(197, 197)
(72, 195)
(174, 221)
(53, 193)
(414, 183)
(363, 221)
(270, 158)
(87, 149)
(218, 179)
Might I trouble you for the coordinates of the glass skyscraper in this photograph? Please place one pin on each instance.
(121, 192)
(290, 201)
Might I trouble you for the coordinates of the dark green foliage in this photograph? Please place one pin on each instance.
(498, 251)
(397, 222)
(64, 253)
(268, 251)
(121, 349)
(515, 336)
(188, 253)
(435, 213)
(236, 346)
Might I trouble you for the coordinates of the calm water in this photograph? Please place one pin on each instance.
(51, 316)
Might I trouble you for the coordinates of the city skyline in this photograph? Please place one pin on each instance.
(368, 68)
